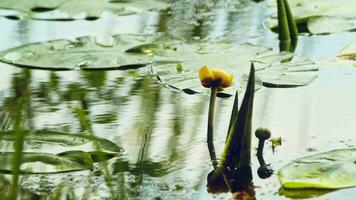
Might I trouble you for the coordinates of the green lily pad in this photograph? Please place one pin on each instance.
(86, 53)
(320, 16)
(173, 62)
(273, 69)
(77, 9)
(330, 170)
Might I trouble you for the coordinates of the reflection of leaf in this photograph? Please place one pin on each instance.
(96, 156)
(34, 163)
(105, 118)
(330, 170)
(321, 16)
(64, 139)
(153, 169)
(173, 62)
(95, 79)
(79, 9)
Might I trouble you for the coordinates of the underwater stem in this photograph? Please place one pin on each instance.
(18, 147)
(210, 135)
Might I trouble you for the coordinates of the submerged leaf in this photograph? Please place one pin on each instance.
(79, 9)
(37, 163)
(320, 16)
(330, 170)
(64, 139)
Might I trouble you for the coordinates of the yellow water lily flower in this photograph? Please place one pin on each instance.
(214, 77)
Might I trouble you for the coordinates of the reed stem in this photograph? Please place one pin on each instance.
(283, 27)
(293, 30)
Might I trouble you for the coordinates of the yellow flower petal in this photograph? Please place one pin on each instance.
(215, 77)
(227, 81)
(205, 76)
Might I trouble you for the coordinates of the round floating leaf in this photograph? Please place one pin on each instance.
(330, 170)
(319, 25)
(86, 53)
(77, 9)
(273, 69)
(173, 62)
(320, 16)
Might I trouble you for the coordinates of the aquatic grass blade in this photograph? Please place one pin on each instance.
(18, 148)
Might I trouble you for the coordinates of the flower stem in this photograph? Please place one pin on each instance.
(210, 136)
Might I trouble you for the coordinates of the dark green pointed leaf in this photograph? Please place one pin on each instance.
(330, 170)
(320, 16)
(238, 144)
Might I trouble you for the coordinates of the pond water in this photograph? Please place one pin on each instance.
(163, 131)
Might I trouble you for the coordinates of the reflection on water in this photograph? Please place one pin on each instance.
(163, 131)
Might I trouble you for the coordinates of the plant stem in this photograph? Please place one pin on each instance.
(283, 27)
(210, 135)
(293, 30)
(18, 146)
(261, 144)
